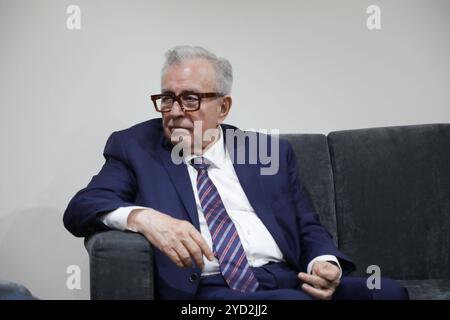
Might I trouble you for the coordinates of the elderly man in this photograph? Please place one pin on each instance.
(222, 229)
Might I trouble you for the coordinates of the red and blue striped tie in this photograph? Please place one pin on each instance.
(226, 243)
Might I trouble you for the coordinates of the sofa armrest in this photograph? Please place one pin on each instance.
(121, 265)
(14, 291)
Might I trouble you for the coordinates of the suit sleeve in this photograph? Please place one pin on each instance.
(113, 187)
(315, 239)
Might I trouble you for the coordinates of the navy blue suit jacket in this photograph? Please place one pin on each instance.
(138, 171)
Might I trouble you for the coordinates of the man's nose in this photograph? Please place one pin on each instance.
(176, 110)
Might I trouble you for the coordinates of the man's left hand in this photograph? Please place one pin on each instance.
(323, 280)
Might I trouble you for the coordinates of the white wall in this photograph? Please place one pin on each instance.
(299, 66)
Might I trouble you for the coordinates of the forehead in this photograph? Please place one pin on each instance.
(191, 74)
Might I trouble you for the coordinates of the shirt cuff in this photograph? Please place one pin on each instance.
(325, 257)
(118, 218)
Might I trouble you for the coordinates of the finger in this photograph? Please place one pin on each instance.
(184, 255)
(173, 256)
(314, 280)
(198, 238)
(195, 251)
(161, 243)
(317, 293)
(168, 247)
(331, 273)
(330, 283)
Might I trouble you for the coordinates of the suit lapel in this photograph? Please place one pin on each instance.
(179, 176)
(250, 179)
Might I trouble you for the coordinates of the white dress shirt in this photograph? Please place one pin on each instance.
(257, 242)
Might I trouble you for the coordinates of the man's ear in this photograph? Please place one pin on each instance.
(224, 108)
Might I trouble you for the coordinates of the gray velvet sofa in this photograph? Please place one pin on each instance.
(383, 193)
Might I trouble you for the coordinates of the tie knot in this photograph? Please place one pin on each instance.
(199, 163)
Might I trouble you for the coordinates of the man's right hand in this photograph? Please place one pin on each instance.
(177, 239)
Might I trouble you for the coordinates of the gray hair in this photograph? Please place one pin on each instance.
(224, 71)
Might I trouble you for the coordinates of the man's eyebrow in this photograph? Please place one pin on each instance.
(165, 91)
(190, 91)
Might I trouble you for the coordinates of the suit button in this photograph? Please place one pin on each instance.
(193, 277)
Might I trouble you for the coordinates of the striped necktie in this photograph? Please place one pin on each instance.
(227, 246)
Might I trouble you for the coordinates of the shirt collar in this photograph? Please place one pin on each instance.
(215, 154)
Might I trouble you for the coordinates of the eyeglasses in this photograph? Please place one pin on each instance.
(188, 101)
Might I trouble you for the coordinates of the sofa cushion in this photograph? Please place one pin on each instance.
(393, 198)
(436, 289)
(315, 172)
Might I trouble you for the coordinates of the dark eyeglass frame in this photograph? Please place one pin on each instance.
(177, 98)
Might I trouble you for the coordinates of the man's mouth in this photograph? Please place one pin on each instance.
(179, 134)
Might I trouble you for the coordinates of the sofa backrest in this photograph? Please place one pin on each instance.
(315, 173)
(392, 189)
